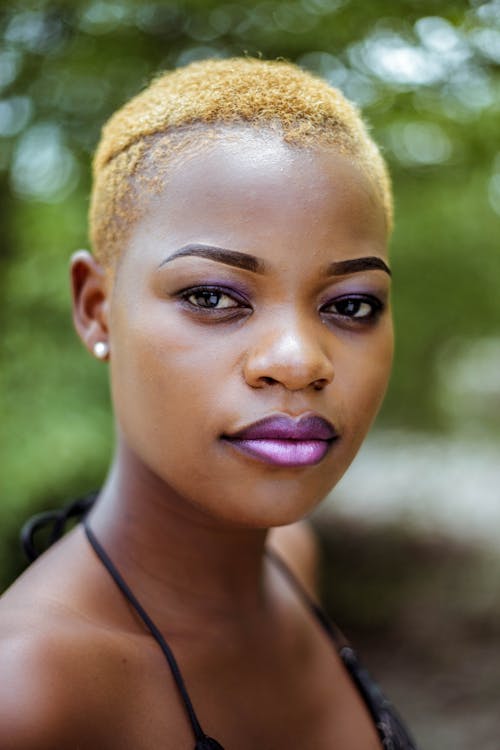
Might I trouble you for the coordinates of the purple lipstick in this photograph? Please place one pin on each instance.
(280, 440)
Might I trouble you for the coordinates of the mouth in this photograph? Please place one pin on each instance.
(280, 440)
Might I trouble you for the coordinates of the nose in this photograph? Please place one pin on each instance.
(292, 355)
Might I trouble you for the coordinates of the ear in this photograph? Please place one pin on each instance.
(90, 286)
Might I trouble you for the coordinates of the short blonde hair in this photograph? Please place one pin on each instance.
(180, 108)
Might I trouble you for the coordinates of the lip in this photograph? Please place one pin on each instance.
(281, 440)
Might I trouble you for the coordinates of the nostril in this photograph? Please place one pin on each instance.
(319, 384)
(268, 381)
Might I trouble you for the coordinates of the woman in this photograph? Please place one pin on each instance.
(239, 289)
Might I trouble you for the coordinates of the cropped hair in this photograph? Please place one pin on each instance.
(182, 110)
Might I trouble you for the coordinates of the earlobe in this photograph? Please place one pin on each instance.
(90, 291)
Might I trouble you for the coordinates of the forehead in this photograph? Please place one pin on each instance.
(247, 189)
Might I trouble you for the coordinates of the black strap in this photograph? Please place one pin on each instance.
(331, 629)
(202, 741)
(58, 518)
(391, 730)
(207, 743)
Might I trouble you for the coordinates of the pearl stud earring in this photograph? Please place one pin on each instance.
(101, 349)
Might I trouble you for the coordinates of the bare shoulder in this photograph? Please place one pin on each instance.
(297, 545)
(35, 698)
(52, 678)
(59, 663)
(76, 670)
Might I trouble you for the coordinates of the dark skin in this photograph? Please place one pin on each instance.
(183, 514)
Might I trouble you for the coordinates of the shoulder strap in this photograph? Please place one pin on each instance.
(55, 521)
(202, 741)
(391, 730)
(320, 615)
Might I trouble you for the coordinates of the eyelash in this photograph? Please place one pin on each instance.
(375, 304)
(243, 306)
(230, 311)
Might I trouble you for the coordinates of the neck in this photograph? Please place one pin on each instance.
(182, 564)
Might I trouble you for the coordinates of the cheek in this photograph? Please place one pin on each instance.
(364, 380)
(164, 384)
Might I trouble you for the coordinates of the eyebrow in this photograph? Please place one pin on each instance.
(228, 257)
(370, 263)
(257, 265)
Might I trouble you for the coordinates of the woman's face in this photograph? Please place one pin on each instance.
(253, 288)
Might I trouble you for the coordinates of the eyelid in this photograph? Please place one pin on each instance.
(375, 299)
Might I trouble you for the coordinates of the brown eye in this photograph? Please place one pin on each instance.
(354, 307)
(211, 299)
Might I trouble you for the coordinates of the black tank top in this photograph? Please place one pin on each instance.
(391, 731)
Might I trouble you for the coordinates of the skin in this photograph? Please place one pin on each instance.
(183, 514)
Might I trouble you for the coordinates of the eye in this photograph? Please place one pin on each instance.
(354, 307)
(210, 299)
(214, 303)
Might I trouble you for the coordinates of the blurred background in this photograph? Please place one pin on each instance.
(410, 536)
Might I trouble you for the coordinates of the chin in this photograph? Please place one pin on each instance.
(265, 503)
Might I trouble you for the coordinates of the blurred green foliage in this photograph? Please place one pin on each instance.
(426, 74)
